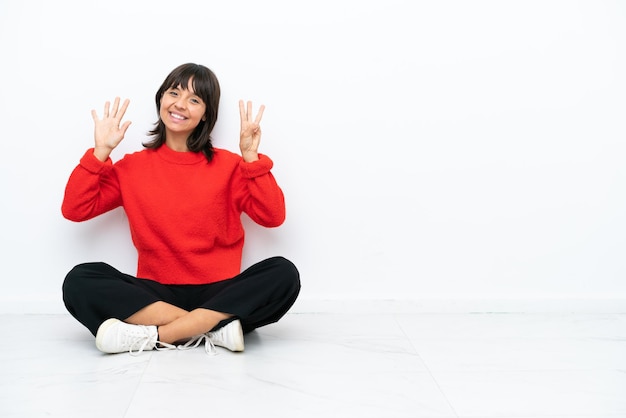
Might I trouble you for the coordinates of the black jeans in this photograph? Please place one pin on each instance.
(260, 295)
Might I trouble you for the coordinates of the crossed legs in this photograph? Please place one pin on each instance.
(262, 294)
(176, 324)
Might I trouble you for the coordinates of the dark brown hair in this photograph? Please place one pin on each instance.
(206, 86)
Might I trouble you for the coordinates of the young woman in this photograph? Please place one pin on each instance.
(184, 200)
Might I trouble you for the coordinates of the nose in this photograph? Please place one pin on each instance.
(180, 103)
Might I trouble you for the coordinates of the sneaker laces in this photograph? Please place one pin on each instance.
(158, 345)
(196, 341)
(161, 346)
(142, 338)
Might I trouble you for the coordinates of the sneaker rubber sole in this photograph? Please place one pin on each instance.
(102, 329)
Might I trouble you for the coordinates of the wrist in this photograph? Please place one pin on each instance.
(250, 157)
(102, 153)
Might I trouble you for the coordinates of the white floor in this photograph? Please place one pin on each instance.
(329, 365)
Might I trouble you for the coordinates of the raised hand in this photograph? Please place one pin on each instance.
(109, 131)
(250, 134)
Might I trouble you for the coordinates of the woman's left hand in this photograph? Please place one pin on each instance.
(250, 134)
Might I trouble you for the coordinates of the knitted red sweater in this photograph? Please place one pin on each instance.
(184, 212)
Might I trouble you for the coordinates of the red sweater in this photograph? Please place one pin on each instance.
(184, 212)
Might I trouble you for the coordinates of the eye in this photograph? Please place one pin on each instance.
(172, 93)
(195, 101)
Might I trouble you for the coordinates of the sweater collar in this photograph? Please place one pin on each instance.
(176, 157)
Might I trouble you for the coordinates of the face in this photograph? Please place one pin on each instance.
(181, 110)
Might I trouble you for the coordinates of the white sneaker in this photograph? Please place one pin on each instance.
(230, 336)
(115, 336)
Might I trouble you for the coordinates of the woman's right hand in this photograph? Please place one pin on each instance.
(109, 131)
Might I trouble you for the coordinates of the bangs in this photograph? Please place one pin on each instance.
(205, 85)
(199, 76)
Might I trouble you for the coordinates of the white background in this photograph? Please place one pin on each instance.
(453, 154)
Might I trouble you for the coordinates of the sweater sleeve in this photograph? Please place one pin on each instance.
(260, 197)
(91, 190)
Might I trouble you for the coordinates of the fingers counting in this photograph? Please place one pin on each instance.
(109, 130)
(250, 135)
(245, 112)
(116, 112)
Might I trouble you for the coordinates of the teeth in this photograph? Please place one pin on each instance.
(175, 116)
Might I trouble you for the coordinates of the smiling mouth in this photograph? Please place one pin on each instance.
(177, 117)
